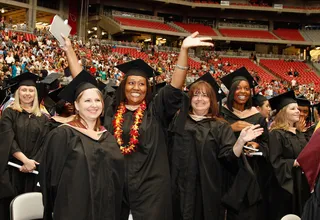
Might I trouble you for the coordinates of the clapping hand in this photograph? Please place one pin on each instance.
(249, 133)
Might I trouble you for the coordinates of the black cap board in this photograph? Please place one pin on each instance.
(52, 80)
(239, 74)
(24, 79)
(209, 79)
(81, 82)
(282, 100)
(258, 100)
(303, 101)
(137, 68)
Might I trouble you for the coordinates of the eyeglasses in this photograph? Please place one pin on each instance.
(198, 95)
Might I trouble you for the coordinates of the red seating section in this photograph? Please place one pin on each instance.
(203, 29)
(20, 35)
(261, 34)
(237, 63)
(131, 51)
(144, 24)
(281, 68)
(289, 34)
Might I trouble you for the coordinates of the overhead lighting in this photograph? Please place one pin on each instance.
(2, 10)
(103, 33)
(147, 40)
(89, 32)
(95, 28)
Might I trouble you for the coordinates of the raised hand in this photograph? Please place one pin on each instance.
(194, 41)
(67, 43)
(250, 133)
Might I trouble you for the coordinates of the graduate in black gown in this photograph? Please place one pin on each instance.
(305, 123)
(289, 187)
(139, 122)
(23, 128)
(240, 113)
(200, 148)
(309, 161)
(82, 171)
(262, 105)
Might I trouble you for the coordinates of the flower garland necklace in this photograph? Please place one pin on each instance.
(134, 130)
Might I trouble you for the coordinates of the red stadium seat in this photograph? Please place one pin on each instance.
(289, 34)
(144, 24)
(203, 29)
(241, 33)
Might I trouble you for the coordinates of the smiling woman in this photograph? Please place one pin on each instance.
(22, 128)
(239, 112)
(79, 153)
(290, 189)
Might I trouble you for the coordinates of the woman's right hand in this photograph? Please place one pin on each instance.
(239, 125)
(28, 166)
(67, 43)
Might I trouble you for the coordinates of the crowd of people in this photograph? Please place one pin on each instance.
(111, 135)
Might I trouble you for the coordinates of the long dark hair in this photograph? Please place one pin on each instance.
(121, 95)
(230, 98)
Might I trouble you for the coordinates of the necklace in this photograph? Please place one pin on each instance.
(134, 130)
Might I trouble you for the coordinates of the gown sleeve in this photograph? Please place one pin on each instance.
(227, 140)
(167, 103)
(55, 153)
(7, 121)
(282, 167)
(263, 139)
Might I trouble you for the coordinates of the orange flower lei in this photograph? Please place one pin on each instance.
(134, 131)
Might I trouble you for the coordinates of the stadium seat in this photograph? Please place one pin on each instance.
(281, 68)
(241, 33)
(144, 24)
(203, 29)
(27, 206)
(289, 34)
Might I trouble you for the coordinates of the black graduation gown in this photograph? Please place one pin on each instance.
(198, 152)
(289, 189)
(147, 186)
(311, 210)
(309, 132)
(20, 132)
(81, 178)
(260, 166)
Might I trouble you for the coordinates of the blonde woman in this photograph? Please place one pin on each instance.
(289, 186)
(22, 129)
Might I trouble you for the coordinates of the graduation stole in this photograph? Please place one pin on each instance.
(134, 130)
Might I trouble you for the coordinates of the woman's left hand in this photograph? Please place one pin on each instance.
(194, 41)
(250, 133)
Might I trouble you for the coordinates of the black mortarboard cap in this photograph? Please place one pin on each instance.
(52, 80)
(159, 86)
(24, 79)
(80, 83)
(137, 68)
(303, 101)
(54, 95)
(101, 86)
(239, 74)
(282, 100)
(258, 100)
(209, 79)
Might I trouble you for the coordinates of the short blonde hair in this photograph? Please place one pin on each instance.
(35, 105)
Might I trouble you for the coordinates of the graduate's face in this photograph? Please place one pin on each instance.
(200, 102)
(26, 94)
(242, 93)
(135, 89)
(89, 105)
(304, 111)
(293, 113)
(265, 109)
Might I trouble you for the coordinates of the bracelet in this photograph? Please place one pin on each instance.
(182, 67)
